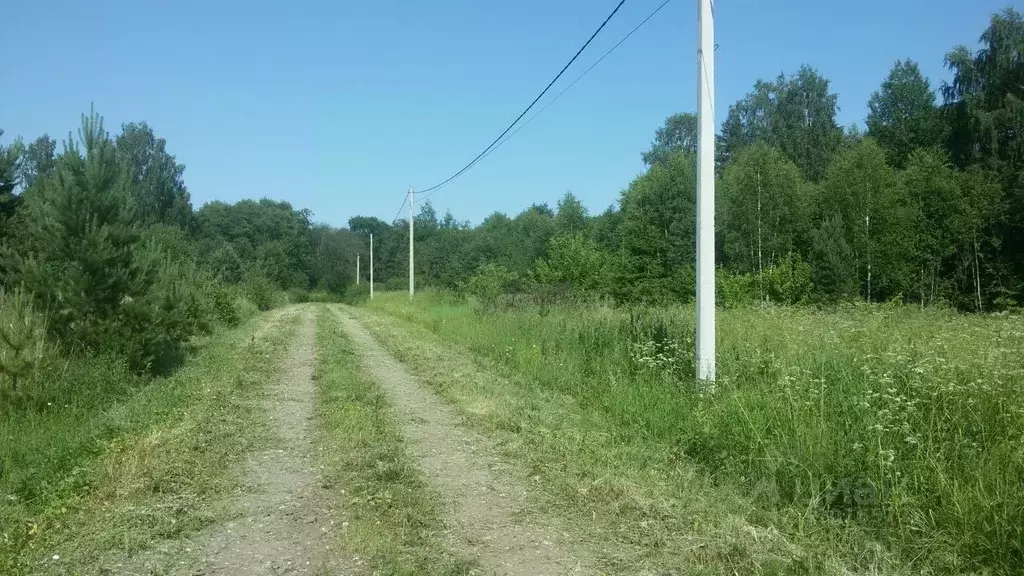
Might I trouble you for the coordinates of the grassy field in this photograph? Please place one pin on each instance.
(392, 515)
(866, 438)
(125, 462)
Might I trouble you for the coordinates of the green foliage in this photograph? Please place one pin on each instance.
(10, 161)
(246, 308)
(226, 264)
(788, 281)
(325, 296)
(169, 240)
(298, 295)
(571, 217)
(38, 161)
(258, 289)
(225, 304)
(732, 290)
(86, 266)
(490, 283)
(903, 116)
(680, 133)
(984, 107)
(154, 176)
(25, 352)
(657, 233)
(795, 114)
(271, 234)
(867, 193)
(356, 294)
(574, 261)
(831, 273)
(765, 207)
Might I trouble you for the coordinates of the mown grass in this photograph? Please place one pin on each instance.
(392, 518)
(866, 438)
(124, 462)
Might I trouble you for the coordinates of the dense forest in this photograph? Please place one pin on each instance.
(926, 207)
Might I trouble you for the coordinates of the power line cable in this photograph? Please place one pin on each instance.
(532, 104)
(404, 200)
(571, 84)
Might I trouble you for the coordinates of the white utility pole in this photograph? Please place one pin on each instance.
(357, 268)
(411, 260)
(371, 266)
(705, 352)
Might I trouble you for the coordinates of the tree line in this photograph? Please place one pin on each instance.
(101, 251)
(925, 206)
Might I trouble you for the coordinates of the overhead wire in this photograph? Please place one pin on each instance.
(704, 68)
(569, 86)
(404, 200)
(528, 108)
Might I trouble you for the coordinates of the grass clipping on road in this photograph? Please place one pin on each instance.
(156, 466)
(391, 518)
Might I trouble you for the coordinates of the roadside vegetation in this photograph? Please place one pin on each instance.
(840, 430)
(393, 518)
(117, 301)
(105, 474)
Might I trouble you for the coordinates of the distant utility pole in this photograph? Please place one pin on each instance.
(411, 259)
(705, 341)
(371, 266)
(357, 269)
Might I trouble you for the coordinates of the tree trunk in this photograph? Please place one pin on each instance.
(760, 268)
(867, 227)
(867, 233)
(935, 273)
(922, 288)
(977, 274)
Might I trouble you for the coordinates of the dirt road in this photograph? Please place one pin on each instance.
(490, 516)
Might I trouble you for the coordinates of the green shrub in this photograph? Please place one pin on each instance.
(151, 330)
(298, 295)
(490, 283)
(576, 262)
(393, 285)
(258, 289)
(246, 308)
(25, 352)
(279, 298)
(733, 290)
(226, 264)
(196, 290)
(356, 293)
(321, 295)
(789, 280)
(225, 305)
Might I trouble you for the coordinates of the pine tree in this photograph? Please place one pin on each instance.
(87, 266)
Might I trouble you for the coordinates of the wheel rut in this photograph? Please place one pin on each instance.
(489, 514)
(285, 526)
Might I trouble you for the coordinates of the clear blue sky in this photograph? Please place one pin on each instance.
(339, 106)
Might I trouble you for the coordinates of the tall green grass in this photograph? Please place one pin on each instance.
(908, 424)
